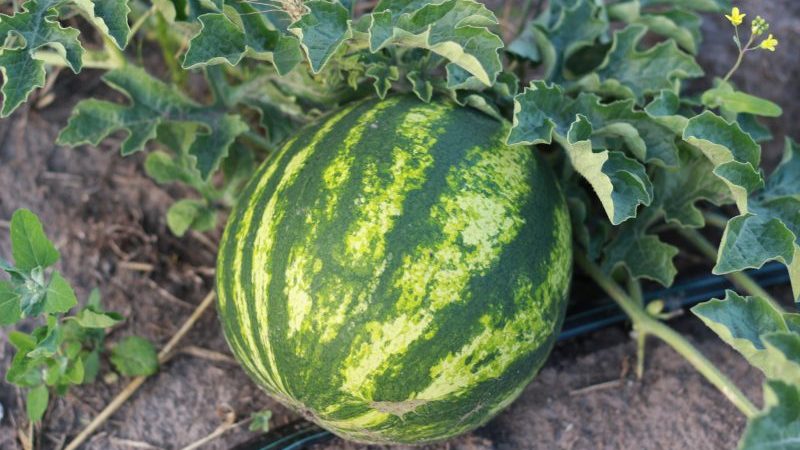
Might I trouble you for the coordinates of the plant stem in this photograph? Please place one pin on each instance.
(740, 279)
(137, 382)
(643, 321)
(258, 141)
(635, 290)
(739, 59)
(715, 220)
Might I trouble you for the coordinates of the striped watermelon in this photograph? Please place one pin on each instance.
(396, 273)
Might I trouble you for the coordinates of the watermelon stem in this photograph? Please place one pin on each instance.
(645, 323)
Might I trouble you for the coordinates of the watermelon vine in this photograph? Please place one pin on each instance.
(603, 92)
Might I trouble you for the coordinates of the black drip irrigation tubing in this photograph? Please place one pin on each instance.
(583, 318)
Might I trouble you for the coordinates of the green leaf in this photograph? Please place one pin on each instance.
(458, 30)
(48, 339)
(733, 152)
(60, 297)
(697, 5)
(777, 427)
(322, 30)
(10, 311)
(749, 241)
(239, 32)
(543, 114)
(725, 97)
(621, 183)
(152, 104)
(742, 322)
(679, 24)
(629, 73)
(29, 244)
(260, 421)
(785, 180)
(37, 26)
(92, 318)
(36, 403)
(383, 75)
(542, 110)
(110, 17)
(134, 356)
(783, 356)
(678, 189)
(91, 365)
(569, 28)
(643, 257)
(186, 213)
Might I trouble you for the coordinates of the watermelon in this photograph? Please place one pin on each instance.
(396, 273)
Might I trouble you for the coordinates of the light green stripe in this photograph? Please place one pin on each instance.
(479, 214)
(239, 293)
(264, 240)
(302, 265)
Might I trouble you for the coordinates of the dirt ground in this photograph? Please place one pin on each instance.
(107, 218)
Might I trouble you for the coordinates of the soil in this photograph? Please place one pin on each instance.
(107, 218)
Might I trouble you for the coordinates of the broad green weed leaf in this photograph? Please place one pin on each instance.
(29, 245)
(697, 5)
(152, 103)
(10, 312)
(322, 30)
(458, 30)
(134, 356)
(630, 73)
(59, 297)
(185, 214)
(742, 322)
(36, 403)
(260, 421)
(110, 17)
(740, 102)
(33, 28)
(567, 28)
(91, 318)
(777, 427)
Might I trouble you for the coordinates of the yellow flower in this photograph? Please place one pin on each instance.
(769, 43)
(736, 17)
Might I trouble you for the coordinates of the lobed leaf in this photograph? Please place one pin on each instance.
(678, 189)
(628, 73)
(36, 26)
(322, 31)
(110, 17)
(458, 30)
(643, 257)
(769, 227)
(742, 322)
(562, 31)
(777, 427)
(152, 104)
(238, 32)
